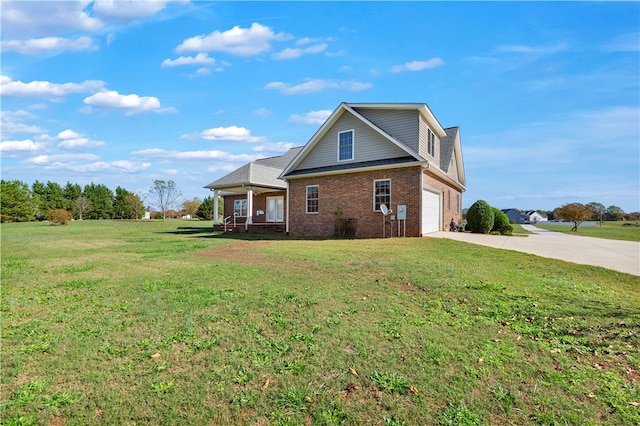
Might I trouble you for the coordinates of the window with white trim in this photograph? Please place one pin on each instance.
(345, 145)
(313, 199)
(457, 203)
(381, 193)
(431, 143)
(240, 208)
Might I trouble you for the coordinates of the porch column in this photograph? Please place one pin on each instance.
(249, 206)
(286, 223)
(215, 207)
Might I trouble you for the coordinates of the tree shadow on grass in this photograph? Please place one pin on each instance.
(190, 230)
(206, 231)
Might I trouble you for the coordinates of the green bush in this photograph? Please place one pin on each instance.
(506, 229)
(59, 217)
(500, 220)
(480, 217)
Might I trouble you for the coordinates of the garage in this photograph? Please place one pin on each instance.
(430, 211)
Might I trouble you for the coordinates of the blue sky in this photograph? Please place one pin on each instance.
(546, 95)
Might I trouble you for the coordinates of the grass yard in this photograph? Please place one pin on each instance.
(621, 230)
(107, 322)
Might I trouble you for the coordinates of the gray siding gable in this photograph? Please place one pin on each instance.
(368, 144)
(402, 125)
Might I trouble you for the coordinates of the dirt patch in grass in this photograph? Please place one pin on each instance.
(246, 252)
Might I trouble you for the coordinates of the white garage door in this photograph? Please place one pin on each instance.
(430, 211)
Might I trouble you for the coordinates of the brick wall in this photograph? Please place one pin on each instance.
(353, 194)
(448, 199)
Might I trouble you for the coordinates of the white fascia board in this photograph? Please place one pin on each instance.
(457, 152)
(314, 139)
(436, 171)
(421, 107)
(432, 120)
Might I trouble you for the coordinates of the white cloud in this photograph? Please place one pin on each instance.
(120, 9)
(46, 89)
(47, 44)
(290, 53)
(129, 166)
(132, 104)
(274, 147)
(558, 161)
(317, 85)
(157, 153)
(26, 145)
(11, 123)
(200, 72)
(236, 41)
(572, 144)
(313, 117)
(262, 112)
(199, 59)
(231, 133)
(525, 49)
(44, 18)
(72, 140)
(85, 163)
(222, 167)
(42, 160)
(418, 65)
(625, 43)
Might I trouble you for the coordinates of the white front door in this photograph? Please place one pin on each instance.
(275, 209)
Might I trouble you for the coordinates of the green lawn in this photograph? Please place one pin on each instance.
(622, 230)
(116, 322)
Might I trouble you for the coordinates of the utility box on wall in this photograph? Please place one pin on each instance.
(401, 212)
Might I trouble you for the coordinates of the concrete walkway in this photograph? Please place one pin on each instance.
(623, 256)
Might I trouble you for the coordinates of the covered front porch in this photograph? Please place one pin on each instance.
(250, 209)
(254, 197)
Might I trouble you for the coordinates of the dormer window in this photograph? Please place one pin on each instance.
(345, 145)
(431, 143)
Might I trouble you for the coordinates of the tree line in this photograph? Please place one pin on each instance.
(592, 211)
(20, 202)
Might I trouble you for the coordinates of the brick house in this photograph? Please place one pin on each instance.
(363, 157)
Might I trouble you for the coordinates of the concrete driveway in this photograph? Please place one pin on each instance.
(623, 256)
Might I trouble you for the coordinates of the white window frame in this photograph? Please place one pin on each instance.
(431, 143)
(241, 208)
(375, 195)
(353, 145)
(317, 199)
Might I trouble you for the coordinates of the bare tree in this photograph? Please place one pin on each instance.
(83, 205)
(165, 194)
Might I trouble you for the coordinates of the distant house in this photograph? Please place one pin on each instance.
(527, 216)
(534, 216)
(365, 157)
(514, 215)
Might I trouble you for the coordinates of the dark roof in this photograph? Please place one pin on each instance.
(446, 147)
(263, 172)
(280, 161)
(352, 166)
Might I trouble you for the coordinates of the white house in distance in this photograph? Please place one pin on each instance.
(526, 216)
